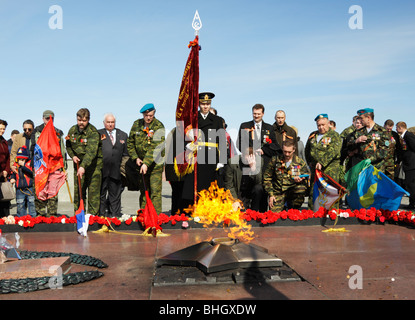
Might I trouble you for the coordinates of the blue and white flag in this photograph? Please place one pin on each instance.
(326, 192)
(371, 188)
(82, 220)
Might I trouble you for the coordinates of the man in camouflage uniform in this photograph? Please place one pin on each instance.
(83, 144)
(344, 136)
(350, 129)
(372, 140)
(146, 149)
(392, 161)
(48, 207)
(284, 179)
(322, 152)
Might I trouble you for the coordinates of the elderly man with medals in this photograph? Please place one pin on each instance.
(146, 148)
(322, 151)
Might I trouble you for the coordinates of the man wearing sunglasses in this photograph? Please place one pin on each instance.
(22, 139)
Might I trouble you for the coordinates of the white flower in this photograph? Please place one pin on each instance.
(196, 219)
(125, 217)
(63, 221)
(344, 214)
(20, 223)
(9, 220)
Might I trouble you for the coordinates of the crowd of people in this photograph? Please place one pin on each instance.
(273, 169)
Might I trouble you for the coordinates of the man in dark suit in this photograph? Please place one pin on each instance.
(114, 148)
(211, 148)
(258, 135)
(283, 131)
(407, 150)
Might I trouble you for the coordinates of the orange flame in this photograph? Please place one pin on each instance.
(216, 206)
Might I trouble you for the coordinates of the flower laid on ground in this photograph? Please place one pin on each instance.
(265, 218)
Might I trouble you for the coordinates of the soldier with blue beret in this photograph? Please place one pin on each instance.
(372, 140)
(147, 108)
(322, 151)
(321, 116)
(146, 149)
(365, 111)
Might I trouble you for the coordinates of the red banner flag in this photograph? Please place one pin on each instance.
(187, 108)
(150, 217)
(47, 160)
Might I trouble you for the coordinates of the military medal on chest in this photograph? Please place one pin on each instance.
(325, 141)
(375, 136)
(149, 133)
(280, 167)
(73, 138)
(403, 144)
(295, 171)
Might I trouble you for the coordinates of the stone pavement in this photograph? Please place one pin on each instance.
(370, 262)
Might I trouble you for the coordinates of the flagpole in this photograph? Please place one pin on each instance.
(196, 25)
(67, 184)
(79, 182)
(84, 227)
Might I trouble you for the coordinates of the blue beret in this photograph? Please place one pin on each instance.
(321, 116)
(363, 111)
(148, 107)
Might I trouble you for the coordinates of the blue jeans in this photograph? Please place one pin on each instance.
(25, 199)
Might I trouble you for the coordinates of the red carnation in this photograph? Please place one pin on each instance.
(116, 221)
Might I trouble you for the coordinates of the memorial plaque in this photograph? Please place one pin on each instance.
(35, 268)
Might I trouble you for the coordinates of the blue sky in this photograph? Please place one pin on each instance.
(299, 56)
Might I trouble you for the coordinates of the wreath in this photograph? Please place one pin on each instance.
(41, 283)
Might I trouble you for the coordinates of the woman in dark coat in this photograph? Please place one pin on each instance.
(4, 166)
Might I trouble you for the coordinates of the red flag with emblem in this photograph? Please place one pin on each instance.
(47, 160)
(187, 108)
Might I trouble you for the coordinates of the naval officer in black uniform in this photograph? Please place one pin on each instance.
(211, 148)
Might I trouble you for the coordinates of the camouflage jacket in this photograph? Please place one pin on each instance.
(376, 148)
(147, 143)
(347, 131)
(326, 152)
(86, 145)
(279, 178)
